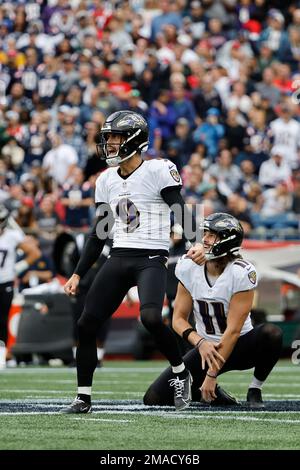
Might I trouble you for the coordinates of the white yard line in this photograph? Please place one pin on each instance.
(106, 420)
(171, 415)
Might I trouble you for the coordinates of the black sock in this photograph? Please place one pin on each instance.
(85, 398)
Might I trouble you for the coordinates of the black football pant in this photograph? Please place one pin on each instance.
(6, 297)
(111, 284)
(260, 348)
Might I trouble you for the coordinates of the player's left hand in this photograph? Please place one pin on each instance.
(197, 253)
(208, 389)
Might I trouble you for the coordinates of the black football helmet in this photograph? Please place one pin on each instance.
(133, 127)
(4, 215)
(229, 231)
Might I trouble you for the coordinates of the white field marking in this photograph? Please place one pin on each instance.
(70, 392)
(71, 381)
(125, 370)
(106, 420)
(246, 384)
(241, 418)
(278, 396)
(174, 415)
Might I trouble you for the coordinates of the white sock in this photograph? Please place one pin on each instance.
(178, 369)
(74, 349)
(100, 353)
(84, 390)
(2, 355)
(256, 383)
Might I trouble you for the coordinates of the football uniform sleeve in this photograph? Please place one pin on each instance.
(18, 237)
(166, 175)
(245, 277)
(183, 272)
(183, 216)
(95, 243)
(101, 194)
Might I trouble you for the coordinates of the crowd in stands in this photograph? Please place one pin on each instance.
(217, 80)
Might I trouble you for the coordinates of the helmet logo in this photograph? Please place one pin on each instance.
(226, 223)
(131, 120)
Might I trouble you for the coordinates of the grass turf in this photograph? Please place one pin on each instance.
(30, 400)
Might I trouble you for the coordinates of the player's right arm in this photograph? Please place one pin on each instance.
(182, 308)
(93, 246)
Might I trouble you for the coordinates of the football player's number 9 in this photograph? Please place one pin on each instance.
(129, 214)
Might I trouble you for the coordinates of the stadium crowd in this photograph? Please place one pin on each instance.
(218, 82)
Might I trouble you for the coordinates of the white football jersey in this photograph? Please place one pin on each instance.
(286, 135)
(211, 303)
(9, 240)
(142, 218)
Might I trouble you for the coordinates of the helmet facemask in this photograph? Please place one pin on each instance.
(221, 247)
(127, 148)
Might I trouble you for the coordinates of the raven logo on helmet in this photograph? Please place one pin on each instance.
(134, 130)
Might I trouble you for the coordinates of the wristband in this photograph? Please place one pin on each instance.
(212, 376)
(187, 332)
(21, 266)
(199, 343)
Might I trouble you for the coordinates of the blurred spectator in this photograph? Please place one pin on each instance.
(237, 206)
(167, 16)
(25, 217)
(235, 131)
(60, 161)
(296, 196)
(226, 172)
(206, 96)
(48, 223)
(274, 170)
(181, 142)
(274, 34)
(210, 132)
(285, 131)
(162, 118)
(39, 272)
(77, 198)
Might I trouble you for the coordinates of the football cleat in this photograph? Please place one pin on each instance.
(254, 398)
(182, 391)
(78, 407)
(224, 398)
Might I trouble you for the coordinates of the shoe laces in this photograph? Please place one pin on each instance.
(178, 385)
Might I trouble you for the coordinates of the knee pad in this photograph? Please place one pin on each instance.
(151, 317)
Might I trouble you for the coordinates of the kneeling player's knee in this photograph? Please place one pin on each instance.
(271, 334)
(151, 318)
(151, 398)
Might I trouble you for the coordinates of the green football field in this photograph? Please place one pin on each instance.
(30, 400)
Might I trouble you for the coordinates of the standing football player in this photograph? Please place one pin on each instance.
(220, 292)
(10, 240)
(137, 196)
